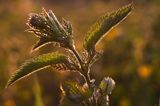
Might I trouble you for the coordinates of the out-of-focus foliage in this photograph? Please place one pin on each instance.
(37, 93)
(131, 54)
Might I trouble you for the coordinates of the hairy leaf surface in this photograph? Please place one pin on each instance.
(103, 25)
(37, 63)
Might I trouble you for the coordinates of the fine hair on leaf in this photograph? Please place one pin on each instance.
(37, 63)
(103, 25)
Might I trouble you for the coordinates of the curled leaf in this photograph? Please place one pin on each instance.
(103, 25)
(32, 65)
(41, 42)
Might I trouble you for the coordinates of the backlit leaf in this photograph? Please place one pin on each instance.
(37, 63)
(103, 25)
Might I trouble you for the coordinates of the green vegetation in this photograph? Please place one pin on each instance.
(130, 52)
(49, 30)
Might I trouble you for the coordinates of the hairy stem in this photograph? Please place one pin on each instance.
(73, 49)
(84, 70)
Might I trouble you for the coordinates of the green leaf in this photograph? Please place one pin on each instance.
(32, 65)
(64, 67)
(75, 92)
(103, 25)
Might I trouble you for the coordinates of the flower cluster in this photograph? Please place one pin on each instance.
(47, 27)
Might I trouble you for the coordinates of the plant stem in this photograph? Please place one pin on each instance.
(73, 49)
(84, 70)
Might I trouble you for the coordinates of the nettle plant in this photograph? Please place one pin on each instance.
(49, 30)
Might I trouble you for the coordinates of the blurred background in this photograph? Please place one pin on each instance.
(131, 51)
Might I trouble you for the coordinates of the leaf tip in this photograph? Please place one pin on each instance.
(10, 82)
(130, 6)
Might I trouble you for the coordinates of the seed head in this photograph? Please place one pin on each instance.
(37, 21)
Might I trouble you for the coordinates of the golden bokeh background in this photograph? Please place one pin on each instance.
(131, 51)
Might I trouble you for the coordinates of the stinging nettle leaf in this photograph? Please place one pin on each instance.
(64, 67)
(32, 65)
(103, 25)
